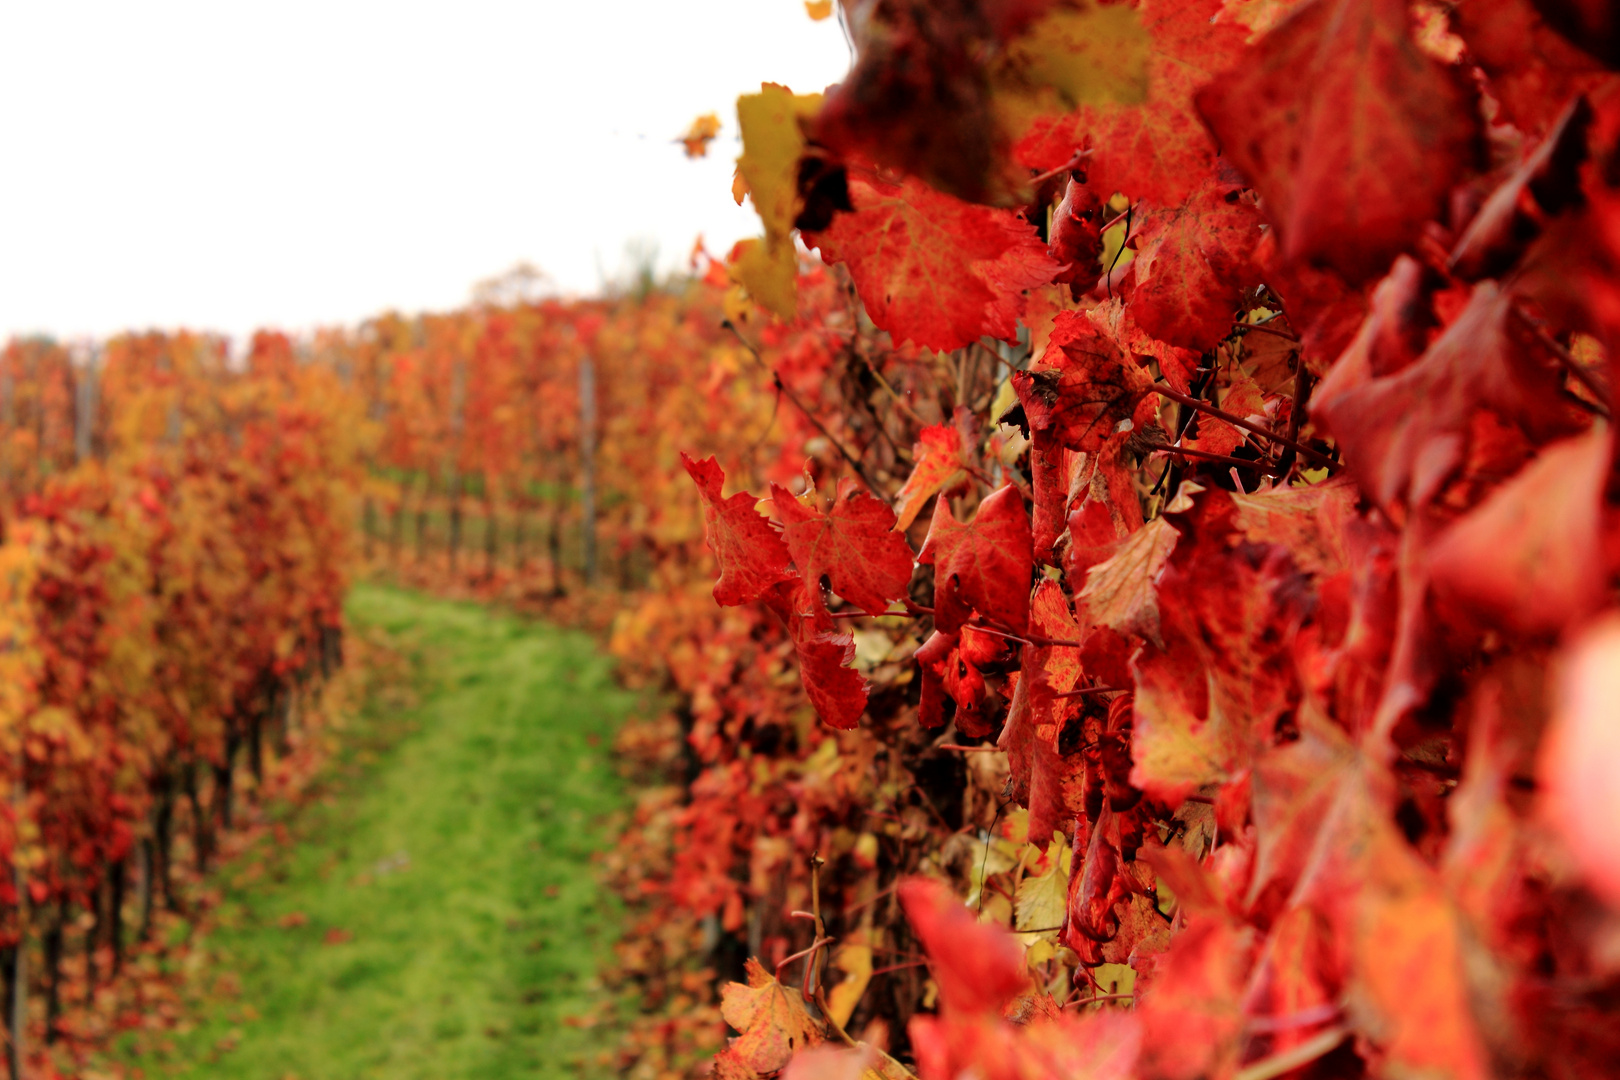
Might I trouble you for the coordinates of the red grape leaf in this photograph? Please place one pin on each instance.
(1107, 513)
(771, 1017)
(1531, 556)
(836, 690)
(1192, 1016)
(1405, 434)
(950, 664)
(1398, 948)
(1052, 778)
(1242, 397)
(1224, 672)
(1192, 265)
(983, 566)
(1323, 309)
(1051, 669)
(937, 465)
(1084, 386)
(1075, 237)
(931, 268)
(1117, 319)
(979, 967)
(854, 544)
(1294, 786)
(751, 555)
(1533, 71)
(1307, 522)
(1351, 134)
(1546, 184)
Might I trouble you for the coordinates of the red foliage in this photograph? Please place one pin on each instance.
(1296, 797)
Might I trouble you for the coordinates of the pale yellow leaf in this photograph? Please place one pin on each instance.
(855, 961)
(1043, 899)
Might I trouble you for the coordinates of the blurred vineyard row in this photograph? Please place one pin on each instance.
(175, 557)
(180, 528)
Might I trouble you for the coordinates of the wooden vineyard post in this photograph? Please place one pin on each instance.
(554, 535)
(84, 405)
(452, 473)
(491, 538)
(8, 423)
(422, 516)
(587, 466)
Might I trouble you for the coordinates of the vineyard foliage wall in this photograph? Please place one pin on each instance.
(1208, 605)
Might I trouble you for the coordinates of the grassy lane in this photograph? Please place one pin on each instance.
(439, 918)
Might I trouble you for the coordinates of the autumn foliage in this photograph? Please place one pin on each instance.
(1157, 611)
(1245, 705)
(176, 538)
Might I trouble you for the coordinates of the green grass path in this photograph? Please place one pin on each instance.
(459, 860)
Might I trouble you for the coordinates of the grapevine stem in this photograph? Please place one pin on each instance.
(783, 388)
(1205, 455)
(1090, 691)
(1567, 359)
(901, 402)
(1237, 421)
(1099, 998)
(872, 900)
(1296, 411)
(826, 1014)
(1264, 329)
(1035, 640)
(1068, 166)
(801, 954)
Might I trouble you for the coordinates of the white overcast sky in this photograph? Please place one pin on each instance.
(226, 165)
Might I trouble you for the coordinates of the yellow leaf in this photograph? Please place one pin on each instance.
(818, 9)
(1043, 899)
(855, 961)
(1091, 54)
(1088, 53)
(769, 276)
(1040, 952)
(1115, 978)
(771, 1017)
(1017, 827)
(735, 305)
(772, 144)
